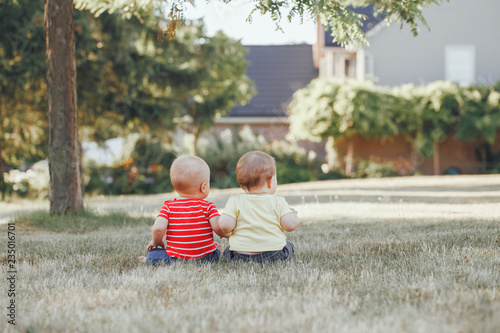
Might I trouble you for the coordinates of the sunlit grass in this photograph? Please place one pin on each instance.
(359, 266)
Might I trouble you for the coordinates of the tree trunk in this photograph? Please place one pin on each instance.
(436, 159)
(349, 161)
(64, 154)
(3, 188)
(483, 153)
(196, 135)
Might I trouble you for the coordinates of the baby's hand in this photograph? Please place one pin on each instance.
(219, 246)
(152, 245)
(294, 211)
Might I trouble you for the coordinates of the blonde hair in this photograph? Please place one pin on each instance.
(254, 169)
(188, 172)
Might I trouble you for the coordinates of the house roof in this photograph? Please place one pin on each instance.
(368, 24)
(277, 71)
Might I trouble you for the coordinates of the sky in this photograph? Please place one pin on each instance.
(231, 19)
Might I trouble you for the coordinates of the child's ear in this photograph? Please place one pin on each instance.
(203, 187)
(270, 182)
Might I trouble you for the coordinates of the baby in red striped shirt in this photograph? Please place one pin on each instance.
(188, 221)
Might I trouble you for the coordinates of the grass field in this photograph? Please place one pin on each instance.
(391, 255)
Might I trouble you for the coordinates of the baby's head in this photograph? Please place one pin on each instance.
(256, 169)
(190, 176)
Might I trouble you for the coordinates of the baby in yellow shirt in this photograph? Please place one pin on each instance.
(258, 218)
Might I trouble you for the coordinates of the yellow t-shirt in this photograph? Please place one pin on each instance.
(258, 226)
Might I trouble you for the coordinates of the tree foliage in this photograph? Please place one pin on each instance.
(149, 81)
(339, 15)
(482, 114)
(22, 83)
(123, 82)
(128, 80)
(432, 114)
(23, 103)
(341, 108)
(214, 81)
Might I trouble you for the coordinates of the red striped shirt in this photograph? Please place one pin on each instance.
(189, 234)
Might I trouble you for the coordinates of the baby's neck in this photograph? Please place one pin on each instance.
(258, 191)
(191, 196)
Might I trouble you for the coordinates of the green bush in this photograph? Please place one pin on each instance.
(32, 183)
(146, 171)
(370, 169)
(424, 115)
(294, 164)
(223, 151)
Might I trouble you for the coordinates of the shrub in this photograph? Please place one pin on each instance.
(223, 151)
(370, 169)
(145, 171)
(294, 164)
(422, 114)
(32, 183)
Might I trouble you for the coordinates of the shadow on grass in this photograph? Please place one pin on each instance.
(84, 221)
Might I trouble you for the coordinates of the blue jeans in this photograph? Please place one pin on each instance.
(159, 255)
(283, 254)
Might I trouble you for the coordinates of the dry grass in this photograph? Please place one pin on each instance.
(381, 265)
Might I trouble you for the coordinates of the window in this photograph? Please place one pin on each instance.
(460, 64)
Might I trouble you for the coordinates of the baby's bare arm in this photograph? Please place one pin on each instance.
(158, 232)
(290, 222)
(227, 224)
(214, 223)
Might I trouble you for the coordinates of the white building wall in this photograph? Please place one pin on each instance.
(400, 58)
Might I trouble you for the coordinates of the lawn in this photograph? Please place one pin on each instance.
(391, 255)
